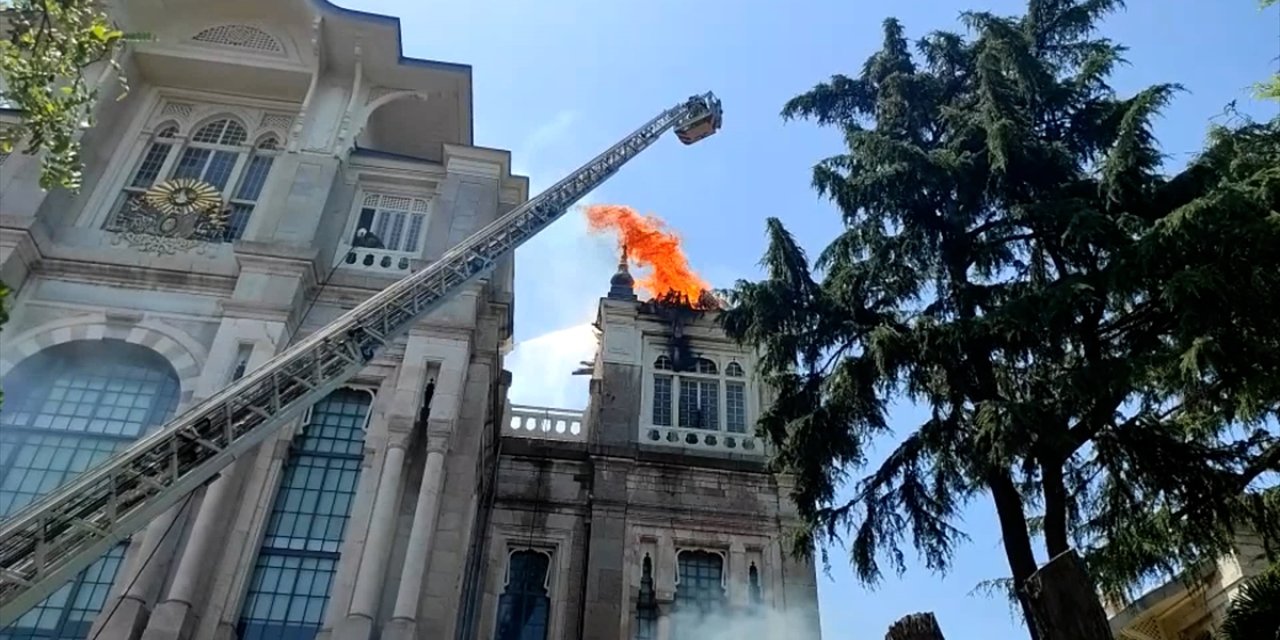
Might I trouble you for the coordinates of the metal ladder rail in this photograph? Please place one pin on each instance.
(57, 536)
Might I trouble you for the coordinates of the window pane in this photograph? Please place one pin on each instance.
(735, 408)
(211, 132)
(219, 170)
(646, 621)
(299, 555)
(255, 177)
(700, 592)
(709, 404)
(415, 231)
(192, 163)
(396, 231)
(150, 166)
(688, 403)
(237, 221)
(65, 409)
(524, 606)
(662, 401)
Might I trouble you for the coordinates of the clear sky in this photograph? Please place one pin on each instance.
(557, 81)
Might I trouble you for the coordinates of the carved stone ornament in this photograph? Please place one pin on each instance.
(178, 215)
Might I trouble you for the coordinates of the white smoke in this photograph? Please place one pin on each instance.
(762, 623)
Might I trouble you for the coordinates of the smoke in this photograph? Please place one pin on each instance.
(759, 624)
(650, 245)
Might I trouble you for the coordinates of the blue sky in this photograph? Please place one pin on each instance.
(557, 81)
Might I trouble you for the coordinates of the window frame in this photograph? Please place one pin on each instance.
(30, 402)
(548, 585)
(739, 549)
(653, 351)
(511, 537)
(336, 557)
(188, 110)
(363, 192)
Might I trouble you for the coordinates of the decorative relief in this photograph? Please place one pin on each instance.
(240, 36)
(175, 216)
(177, 109)
(278, 121)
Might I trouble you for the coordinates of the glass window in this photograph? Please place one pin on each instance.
(299, 557)
(754, 594)
(662, 400)
(66, 409)
(218, 153)
(694, 396)
(699, 591)
(390, 222)
(524, 607)
(646, 604)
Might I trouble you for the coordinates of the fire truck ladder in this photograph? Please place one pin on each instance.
(48, 542)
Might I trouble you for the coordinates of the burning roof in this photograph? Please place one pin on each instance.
(649, 244)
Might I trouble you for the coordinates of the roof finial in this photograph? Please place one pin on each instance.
(622, 285)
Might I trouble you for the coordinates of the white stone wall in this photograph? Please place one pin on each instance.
(312, 76)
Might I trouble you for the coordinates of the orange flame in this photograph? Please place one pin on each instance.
(649, 243)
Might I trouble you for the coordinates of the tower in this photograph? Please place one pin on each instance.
(651, 514)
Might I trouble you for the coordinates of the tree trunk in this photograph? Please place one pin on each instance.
(1017, 541)
(917, 626)
(1062, 602)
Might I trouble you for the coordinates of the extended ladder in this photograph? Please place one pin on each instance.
(47, 543)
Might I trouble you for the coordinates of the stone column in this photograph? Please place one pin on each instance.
(142, 578)
(176, 616)
(425, 513)
(665, 609)
(377, 548)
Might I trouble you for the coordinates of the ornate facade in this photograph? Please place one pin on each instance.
(273, 164)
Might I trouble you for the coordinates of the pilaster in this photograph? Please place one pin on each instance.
(19, 253)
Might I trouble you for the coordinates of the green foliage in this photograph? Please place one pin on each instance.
(1096, 345)
(1270, 88)
(49, 44)
(1255, 613)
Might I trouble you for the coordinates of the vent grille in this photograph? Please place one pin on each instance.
(240, 36)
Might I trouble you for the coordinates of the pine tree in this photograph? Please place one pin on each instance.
(1097, 344)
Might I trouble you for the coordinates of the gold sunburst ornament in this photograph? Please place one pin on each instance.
(182, 196)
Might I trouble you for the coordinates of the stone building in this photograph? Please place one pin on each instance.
(415, 502)
(1193, 608)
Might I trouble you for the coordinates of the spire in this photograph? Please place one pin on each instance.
(622, 285)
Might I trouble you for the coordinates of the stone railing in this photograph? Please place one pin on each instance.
(379, 261)
(547, 423)
(703, 439)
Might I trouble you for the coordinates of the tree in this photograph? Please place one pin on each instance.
(1097, 345)
(49, 44)
(1270, 88)
(1255, 612)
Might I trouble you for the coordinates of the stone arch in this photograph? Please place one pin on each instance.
(183, 352)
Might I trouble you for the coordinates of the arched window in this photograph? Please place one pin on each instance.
(699, 591)
(524, 608)
(755, 595)
(218, 153)
(294, 572)
(646, 604)
(693, 398)
(66, 409)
